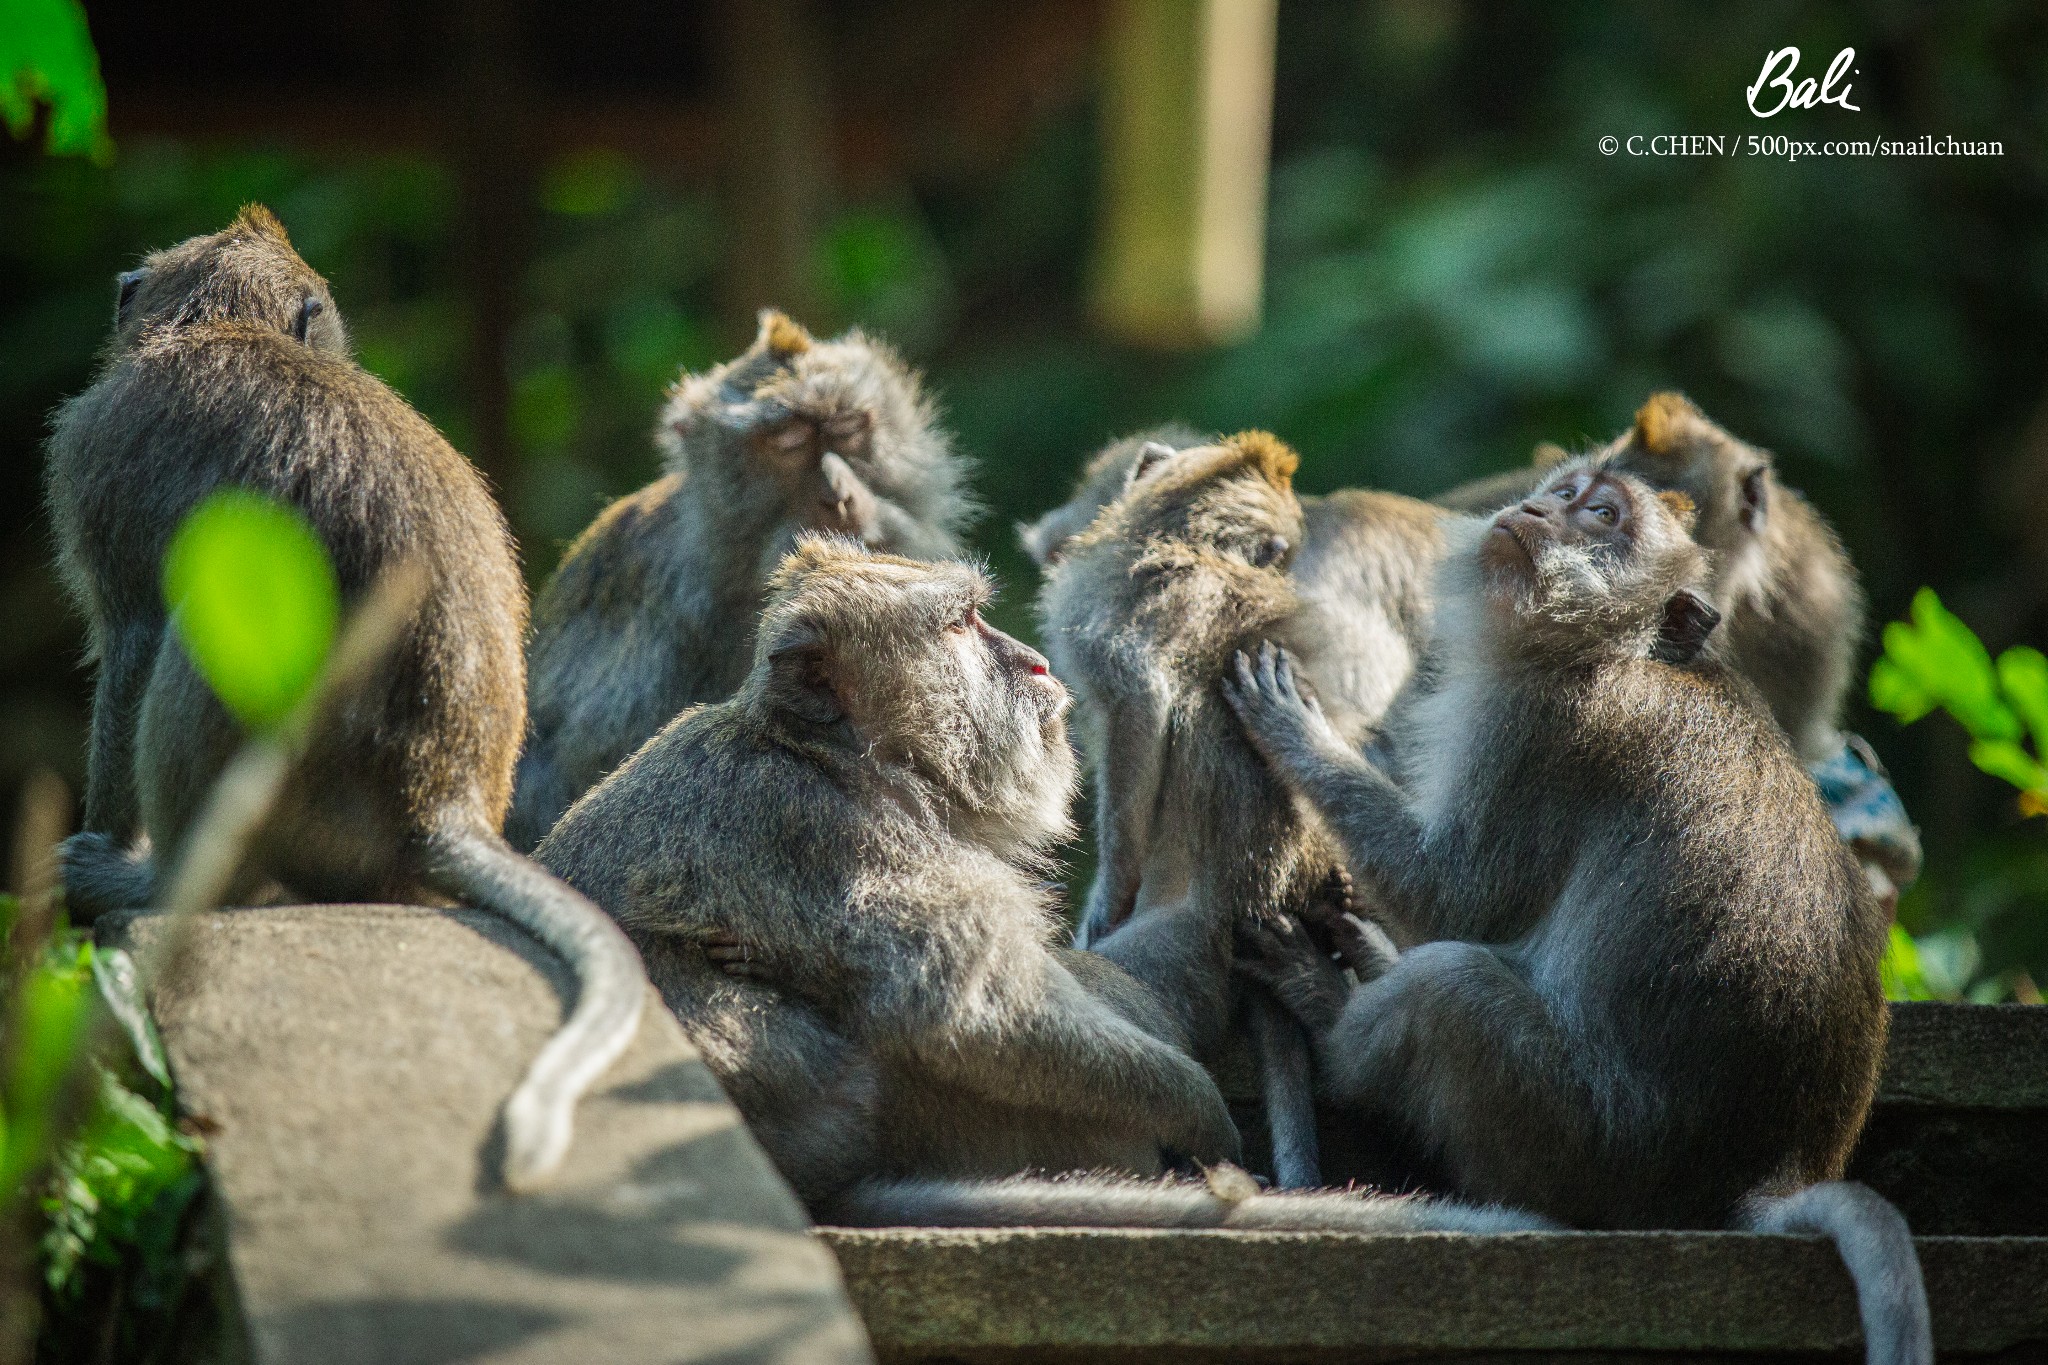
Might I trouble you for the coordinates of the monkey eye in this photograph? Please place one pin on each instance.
(1605, 513)
(964, 621)
(793, 439)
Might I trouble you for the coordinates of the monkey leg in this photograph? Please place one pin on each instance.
(1070, 1053)
(1459, 1050)
(127, 653)
(1177, 953)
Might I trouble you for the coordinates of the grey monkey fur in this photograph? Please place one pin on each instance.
(229, 367)
(872, 812)
(1638, 984)
(1142, 614)
(652, 609)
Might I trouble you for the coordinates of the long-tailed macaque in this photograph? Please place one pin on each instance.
(1636, 983)
(229, 368)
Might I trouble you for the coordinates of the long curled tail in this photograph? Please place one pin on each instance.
(1874, 1242)
(481, 868)
(1284, 1078)
(1227, 1198)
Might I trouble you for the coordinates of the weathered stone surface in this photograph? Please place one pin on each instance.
(1062, 1295)
(349, 1063)
(1959, 1137)
(1967, 1056)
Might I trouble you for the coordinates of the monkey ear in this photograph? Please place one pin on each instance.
(781, 335)
(800, 679)
(1756, 497)
(1689, 619)
(310, 308)
(126, 285)
(1150, 456)
(1680, 506)
(1548, 455)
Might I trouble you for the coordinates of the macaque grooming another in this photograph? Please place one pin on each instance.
(1638, 985)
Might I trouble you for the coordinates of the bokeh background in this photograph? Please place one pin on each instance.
(532, 216)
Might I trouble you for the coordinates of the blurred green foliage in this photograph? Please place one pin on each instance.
(47, 58)
(112, 1182)
(1936, 661)
(254, 600)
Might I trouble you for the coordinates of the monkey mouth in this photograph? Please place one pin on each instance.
(1502, 536)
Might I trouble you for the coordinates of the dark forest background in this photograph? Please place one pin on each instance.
(532, 217)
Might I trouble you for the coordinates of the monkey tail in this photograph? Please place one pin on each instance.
(1226, 1198)
(1874, 1242)
(478, 866)
(1284, 1072)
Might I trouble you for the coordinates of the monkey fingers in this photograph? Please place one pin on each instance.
(1280, 955)
(735, 957)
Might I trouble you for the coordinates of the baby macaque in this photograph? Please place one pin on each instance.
(1637, 984)
(653, 607)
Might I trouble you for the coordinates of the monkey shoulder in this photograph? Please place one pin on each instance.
(610, 571)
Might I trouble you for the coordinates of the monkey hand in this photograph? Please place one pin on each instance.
(1279, 711)
(1351, 939)
(1279, 955)
(736, 957)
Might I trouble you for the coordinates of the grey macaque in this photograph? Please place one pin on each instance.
(653, 607)
(229, 367)
(871, 818)
(1142, 614)
(1636, 981)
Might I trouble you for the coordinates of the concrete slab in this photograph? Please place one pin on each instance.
(1075, 1295)
(348, 1063)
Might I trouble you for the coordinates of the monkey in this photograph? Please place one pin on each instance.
(653, 607)
(1633, 976)
(1360, 568)
(873, 814)
(229, 367)
(1792, 606)
(1142, 613)
(837, 877)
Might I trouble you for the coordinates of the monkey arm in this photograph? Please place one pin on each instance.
(901, 533)
(1062, 1049)
(1372, 818)
(1126, 794)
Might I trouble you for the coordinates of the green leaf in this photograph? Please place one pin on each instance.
(254, 600)
(1893, 690)
(47, 57)
(2003, 758)
(2023, 674)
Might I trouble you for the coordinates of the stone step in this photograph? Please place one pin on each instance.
(1132, 1297)
(349, 1064)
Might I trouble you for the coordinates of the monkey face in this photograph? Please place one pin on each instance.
(1592, 555)
(889, 660)
(828, 437)
(247, 272)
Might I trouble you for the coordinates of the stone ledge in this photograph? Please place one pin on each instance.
(1966, 1056)
(349, 1063)
(1074, 1294)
